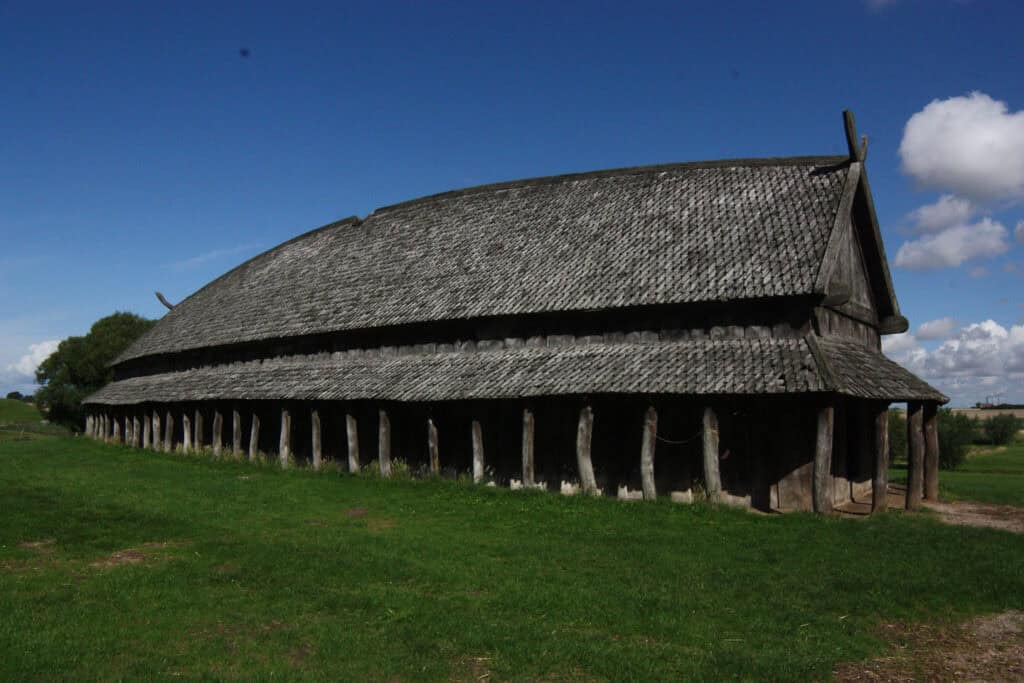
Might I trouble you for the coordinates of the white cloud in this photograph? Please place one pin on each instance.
(954, 245)
(899, 343)
(972, 145)
(947, 212)
(22, 373)
(1018, 232)
(935, 329)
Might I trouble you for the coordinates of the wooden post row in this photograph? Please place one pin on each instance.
(584, 435)
(254, 437)
(712, 476)
(384, 444)
(284, 448)
(314, 419)
(236, 433)
(822, 485)
(186, 432)
(478, 452)
(528, 454)
(647, 454)
(432, 447)
(352, 436)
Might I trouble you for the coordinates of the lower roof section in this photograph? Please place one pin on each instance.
(692, 367)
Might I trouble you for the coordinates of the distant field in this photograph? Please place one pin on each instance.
(989, 475)
(122, 564)
(985, 414)
(16, 412)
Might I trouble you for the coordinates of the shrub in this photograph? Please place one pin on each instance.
(897, 436)
(1000, 429)
(956, 433)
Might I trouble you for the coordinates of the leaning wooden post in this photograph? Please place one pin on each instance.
(147, 431)
(186, 432)
(157, 434)
(236, 433)
(915, 456)
(318, 455)
(823, 459)
(384, 444)
(478, 452)
(435, 456)
(169, 433)
(254, 437)
(880, 482)
(584, 435)
(931, 451)
(528, 455)
(647, 454)
(218, 433)
(352, 436)
(197, 426)
(284, 444)
(712, 476)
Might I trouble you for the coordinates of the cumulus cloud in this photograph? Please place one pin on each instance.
(22, 373)
(954, 245)
(899, 343)
(936, 329)
(1018, 232)
(947, 212)
(972, 145)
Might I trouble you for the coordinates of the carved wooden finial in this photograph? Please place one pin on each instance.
(858, 150)
(164, 301)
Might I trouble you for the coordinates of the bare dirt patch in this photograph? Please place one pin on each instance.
(968, 513)
(989, 648)
(137, 555)
(356, 512)
(44, 546)
(471, 669)
(377, 525)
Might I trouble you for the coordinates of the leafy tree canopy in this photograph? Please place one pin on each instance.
(15, 395)
(79, 366)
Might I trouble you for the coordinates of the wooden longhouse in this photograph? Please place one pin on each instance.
(709, 328)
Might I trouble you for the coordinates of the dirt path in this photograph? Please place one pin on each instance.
(989, 648)
(969, 513)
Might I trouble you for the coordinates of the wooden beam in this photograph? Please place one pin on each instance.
(823, 460)
(169, 433)
(915, 455)
(880, 480)
(157, 433)
(931, 451)
(478, 452)
(584, 437)
(384, 444)
(352, 436)
(254, 438)
(136, 427)
(858, 148)
(284, 444)
(712, 476)
(236, 433)
(186, 432)
(147, 431)
(198, 429)
(218, 433)
(435, 456)
(528, 454)
(117, 429)
(318, 455)
(647, 453)
(893, 324)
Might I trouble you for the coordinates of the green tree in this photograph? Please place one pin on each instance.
(15, 396)
(80, 366)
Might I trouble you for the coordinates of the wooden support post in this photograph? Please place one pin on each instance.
(254, 437)
(284, 445)
(880, 482)
(169, 433)
(647, 453)
(117, 429)
(147, 431)
(352, 436)
(186, 432)
(528, 455)
(128, 435)
(217, 437)
(915, 456)
(236, 433)
(584, 435)
(88, 426)
(157, 433)
(435, 456)
(318, 456)
(136, 431)
(198, 429)
(931, 451)
(384, 444)
(478, 452)
(712, 475)
(823, 489)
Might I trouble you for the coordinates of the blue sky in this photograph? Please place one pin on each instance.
(141, 151)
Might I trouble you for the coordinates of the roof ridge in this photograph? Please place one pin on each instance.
(834, 160)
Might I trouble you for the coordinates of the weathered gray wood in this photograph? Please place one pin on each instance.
(478, 452)
(432, 449)
(236, 433)
(284, 444)
(198, 429)
(117, 429)
(528, 455)
(169, 433)
(915, 455)
(352, 435)
(318, 456)
(157, 434)
(584, 436)
(712, 475)
(147, 431)
(384, 443)
(647, 453)
(217, 438)
(254, 437)
(823, 460)
(129, 435)
(88, 425)
(136, 431)
(880, 480)
(186, 433)
(931, 451)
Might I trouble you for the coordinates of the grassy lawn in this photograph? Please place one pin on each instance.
(989, 475)
(123, 564)
(17, 412)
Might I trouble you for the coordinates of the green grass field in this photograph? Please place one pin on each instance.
(124, 564)
(988, 475)
(17, 412)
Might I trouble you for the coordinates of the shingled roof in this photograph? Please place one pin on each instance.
(684, 233)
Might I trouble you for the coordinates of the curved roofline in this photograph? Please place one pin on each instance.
(831, 160)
